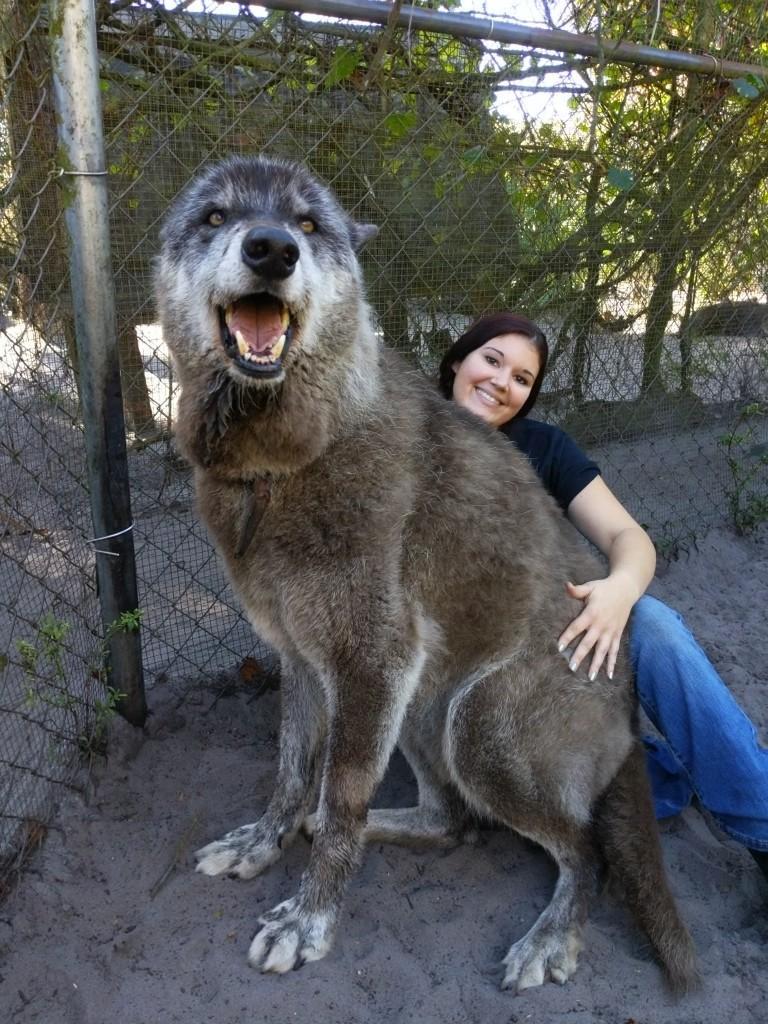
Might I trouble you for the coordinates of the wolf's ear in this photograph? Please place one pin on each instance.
(361, 233)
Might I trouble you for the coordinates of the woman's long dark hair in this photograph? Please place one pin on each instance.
(483, 331)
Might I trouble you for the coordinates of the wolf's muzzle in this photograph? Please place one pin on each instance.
(270, 252)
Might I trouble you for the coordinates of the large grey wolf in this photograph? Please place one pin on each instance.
(409, 569)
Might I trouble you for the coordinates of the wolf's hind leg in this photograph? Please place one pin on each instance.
(495, 757)
(251, 849)
(441, 817)
(551, 947)
(413, 826)
(403, 826)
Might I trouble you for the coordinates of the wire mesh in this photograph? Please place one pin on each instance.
(51, 685)
(600, 198)
(621, 206)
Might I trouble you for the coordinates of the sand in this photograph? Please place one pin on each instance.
(110, 923)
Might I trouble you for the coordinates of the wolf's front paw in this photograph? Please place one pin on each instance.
(540, 956)
(290, 937)
(244, 853)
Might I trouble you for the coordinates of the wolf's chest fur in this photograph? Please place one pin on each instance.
(305, 550)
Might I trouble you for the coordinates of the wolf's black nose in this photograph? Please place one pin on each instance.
(271, 252)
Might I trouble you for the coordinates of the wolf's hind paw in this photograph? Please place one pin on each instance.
(290, 937)
(538, 957)
(243, 853)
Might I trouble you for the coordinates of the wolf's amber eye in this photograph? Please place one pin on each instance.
(307, 226)
(216, 218)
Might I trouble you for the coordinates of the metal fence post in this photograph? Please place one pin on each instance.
(76, 89)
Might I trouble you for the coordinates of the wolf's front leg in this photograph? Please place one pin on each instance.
(369, 709)
(251, 849)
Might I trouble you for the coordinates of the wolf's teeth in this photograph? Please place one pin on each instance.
(242, 345)
(285, 319)
(277, 351)
(228, 315)
(264, 360)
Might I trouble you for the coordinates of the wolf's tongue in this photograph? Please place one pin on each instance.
(259, 322)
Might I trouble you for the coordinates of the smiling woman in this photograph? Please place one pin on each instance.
(495, 380)
(710, 750)
(496, 367)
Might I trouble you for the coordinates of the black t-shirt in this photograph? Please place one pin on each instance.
(563, 467)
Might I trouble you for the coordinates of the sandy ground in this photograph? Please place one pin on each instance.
(110, 923)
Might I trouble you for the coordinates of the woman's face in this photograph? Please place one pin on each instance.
(495, 380)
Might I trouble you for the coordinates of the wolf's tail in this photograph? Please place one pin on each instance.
(627, 834)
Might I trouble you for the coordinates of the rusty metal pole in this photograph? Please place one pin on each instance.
(472, 26)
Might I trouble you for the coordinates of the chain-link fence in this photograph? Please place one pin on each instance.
(621, 203)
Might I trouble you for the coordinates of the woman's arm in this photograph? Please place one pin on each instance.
(598, 514)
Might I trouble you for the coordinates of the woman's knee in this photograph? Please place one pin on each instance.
(650, 615)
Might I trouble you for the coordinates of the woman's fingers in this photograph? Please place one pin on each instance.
(602, 649)
(579, 625)
(579, 590)
(603, 645)
(600, 625)
(597, 627)
(586, 644)
(613, 656)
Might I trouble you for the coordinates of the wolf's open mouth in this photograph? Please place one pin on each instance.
(256, 332)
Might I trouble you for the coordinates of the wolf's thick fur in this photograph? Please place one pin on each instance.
(409, 568)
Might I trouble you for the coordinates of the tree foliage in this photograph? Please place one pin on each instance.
(646, 201)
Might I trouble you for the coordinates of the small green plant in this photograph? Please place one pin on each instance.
(42, 662)
(748, 465)
(43, 666)
(53, 632)
(126, 622)
(667, 547)
(671, 541)
(94, 739)
(29, 655)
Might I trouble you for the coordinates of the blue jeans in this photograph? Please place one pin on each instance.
(711, 749)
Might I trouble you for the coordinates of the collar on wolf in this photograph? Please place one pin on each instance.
(257, 494)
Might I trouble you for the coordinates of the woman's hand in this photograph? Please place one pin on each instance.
(607, 606)
(603, 520)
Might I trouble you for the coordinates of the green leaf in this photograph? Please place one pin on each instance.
(745, 87)
(399, 122)
(272, 20)
(471, 156)
(620, 179)
(345, 61)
